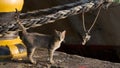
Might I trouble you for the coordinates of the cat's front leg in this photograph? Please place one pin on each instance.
(51, 53)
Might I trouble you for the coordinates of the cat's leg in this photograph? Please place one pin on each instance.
(51, 53)
(30, 54)
(52, 50)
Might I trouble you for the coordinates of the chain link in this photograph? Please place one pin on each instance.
(53, 14)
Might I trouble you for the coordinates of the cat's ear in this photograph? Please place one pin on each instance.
(60, 33)
(57, 32)
(63, 32)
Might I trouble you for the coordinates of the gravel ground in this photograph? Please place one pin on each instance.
(62, 60)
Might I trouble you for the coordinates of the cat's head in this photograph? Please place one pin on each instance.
(60, 36)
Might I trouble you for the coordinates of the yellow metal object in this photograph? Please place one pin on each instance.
(11, 5)
(15, 52)
(10, 41)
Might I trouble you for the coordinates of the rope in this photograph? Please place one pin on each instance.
(83, 19)
(87, 35)
(52, 14)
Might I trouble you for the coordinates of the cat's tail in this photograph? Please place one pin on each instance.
(21, 26)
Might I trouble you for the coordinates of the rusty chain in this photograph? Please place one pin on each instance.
(51, 14)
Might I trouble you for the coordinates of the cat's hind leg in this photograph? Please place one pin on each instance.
(30, 55)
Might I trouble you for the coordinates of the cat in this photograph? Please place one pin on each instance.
(36, 40)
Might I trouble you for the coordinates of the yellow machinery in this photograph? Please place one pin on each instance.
(11, 48)
(11, 5)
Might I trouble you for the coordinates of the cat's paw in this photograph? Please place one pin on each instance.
(52, 62)
(33, 61)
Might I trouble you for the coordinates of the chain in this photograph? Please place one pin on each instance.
(56, 16)
(87, 32)
(49, 10)
(60, 12)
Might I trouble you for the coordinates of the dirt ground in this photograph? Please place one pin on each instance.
(62, 60)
